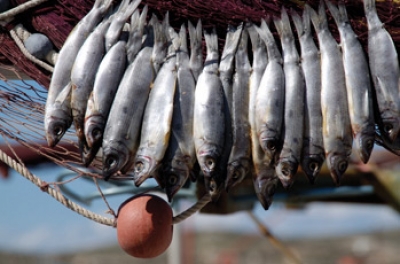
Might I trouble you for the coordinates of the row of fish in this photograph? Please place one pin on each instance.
(157, 112)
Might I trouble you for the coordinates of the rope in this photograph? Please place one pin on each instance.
(29, 56)
(54, 193)
(19, 9)
(192, 210)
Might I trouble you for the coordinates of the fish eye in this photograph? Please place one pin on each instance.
(313, 166)
(58, 130)
(139, 166)
(342, 166)
(210, 164)
(96, 133)
(369, 144)
(111, 161)
(236, 175)
(172, 179)
(271, 145)
(387, 128)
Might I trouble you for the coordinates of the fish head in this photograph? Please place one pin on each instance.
(365, 142)
(57, 123)
(269, 143)
(208, 158)
(143, 168)
(265, 185)
(286, 169)
(311, 166)
(337, 165)
(236, 172)
(94, 128)
(115, 156)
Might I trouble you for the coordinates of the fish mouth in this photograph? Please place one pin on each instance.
(265, 188)
(174, 180)
(312, 166)
(366, 145)
(337, 165)
(286, 170)
(143, 168)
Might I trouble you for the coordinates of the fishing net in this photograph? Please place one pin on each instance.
(24, 82)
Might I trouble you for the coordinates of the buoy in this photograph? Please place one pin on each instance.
(144, 226)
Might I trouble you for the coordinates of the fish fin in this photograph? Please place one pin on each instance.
(211, 43)
(65, 94)
(282, 25)
(369, 6)
(175, 40)
(298, 23)
(229, 51)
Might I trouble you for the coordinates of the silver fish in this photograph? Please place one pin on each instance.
(107, 79)
(196, 51)
(83, 75)
(159, 49)
(133, 45)
(118, 21)
(181, 154)
(270, 98)
(122, 130)
(240, 155)
(336, 127)
(209, 118)
(358, 84)
(313, 154)
(58, 116)
(293, 128)
(264, 177)
(156, 125)
(385, 72)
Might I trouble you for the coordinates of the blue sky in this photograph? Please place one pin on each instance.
(33, 222)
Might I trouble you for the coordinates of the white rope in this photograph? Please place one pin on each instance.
(20, 9)
(192, 210)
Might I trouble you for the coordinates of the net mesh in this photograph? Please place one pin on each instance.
(22, 102)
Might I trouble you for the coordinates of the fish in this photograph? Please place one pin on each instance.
(239, 162)
(313, 153)
(159, 49)
(82, 78)
(264, 177)
(118, 21)
(156, 124)
(136, 34)
(58, 113)
(180, 156)
(196, 49)
(288, 159)
(385, 73)
(108, 77)
(358, 84)
(270, 98)
(122, 130)
(336, 126)
(209, 117)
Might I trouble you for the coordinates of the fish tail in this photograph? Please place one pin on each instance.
(298, 23)
(337, 14)
(319, 19)
(131, 8)
(211, 41)
(173, 37)
(242, 45)
(183, 38)
(195, 35)
(369, 6)
(268, 38)
(283, 25)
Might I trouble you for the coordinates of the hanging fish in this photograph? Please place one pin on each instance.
(385, 73)
(156, 125)
(122, 130)
(209, 117)
(313, 154)
(336, 127)
(240, 155)
(358, 84)
(181, 154)
(270, 98)
(196, 51)
(293, 127)
(264, 177)
(58, 114)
